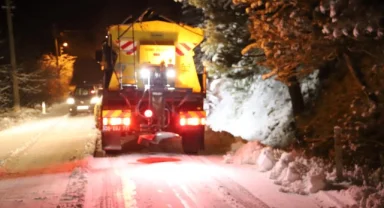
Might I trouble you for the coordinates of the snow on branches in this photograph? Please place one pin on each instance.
(284, 31)
(306, 33)
(226, 34)
(355, 19)
(39, 83)
(29, 84)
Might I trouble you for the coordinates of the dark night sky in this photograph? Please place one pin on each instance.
(85, 20)
(79, 13)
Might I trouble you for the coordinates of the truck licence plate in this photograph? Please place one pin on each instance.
(115, 128)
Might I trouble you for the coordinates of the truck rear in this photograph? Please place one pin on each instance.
(151, 90)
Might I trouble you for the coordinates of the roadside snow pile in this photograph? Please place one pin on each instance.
(9, 118)
(367, 197)
(371, 194)
(262, 111)
(299, 175)
(296, 174)
(293, 173)
(243, 154)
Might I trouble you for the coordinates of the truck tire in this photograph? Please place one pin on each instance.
(192, 141)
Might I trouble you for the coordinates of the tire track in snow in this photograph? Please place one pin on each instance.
(213, 162)
(229, 190)
(74, 194)
(17, 152)
(110, 184)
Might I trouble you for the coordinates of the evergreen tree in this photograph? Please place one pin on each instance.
(191, 15)
(226, 34)
(306, 34)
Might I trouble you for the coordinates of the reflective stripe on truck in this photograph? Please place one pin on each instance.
(192, 118)
(116, 113)
(116, 120)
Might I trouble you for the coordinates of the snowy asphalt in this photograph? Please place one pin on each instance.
(50, 162)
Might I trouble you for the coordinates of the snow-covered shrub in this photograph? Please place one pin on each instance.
(245, 154)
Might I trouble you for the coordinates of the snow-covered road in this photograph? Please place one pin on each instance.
(50, 163)
(46, 142)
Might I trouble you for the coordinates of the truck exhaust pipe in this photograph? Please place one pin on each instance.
(156, 138)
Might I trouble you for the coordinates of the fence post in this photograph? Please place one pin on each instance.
(43, 108)
(338, 153)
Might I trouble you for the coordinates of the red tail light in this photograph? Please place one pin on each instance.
(148, 113)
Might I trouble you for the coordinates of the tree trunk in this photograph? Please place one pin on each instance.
(15, 81)
(296, 96)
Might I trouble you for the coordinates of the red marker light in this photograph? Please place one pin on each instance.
(148, 113)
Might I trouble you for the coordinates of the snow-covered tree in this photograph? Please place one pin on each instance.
(226, 34)
(30, 84)
(191, 15)
(283, 30)
(300, 36)
(241, 102)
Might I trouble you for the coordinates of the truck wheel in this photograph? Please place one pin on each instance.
(192, 141)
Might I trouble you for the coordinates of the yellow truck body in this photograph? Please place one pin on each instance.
(154, 42)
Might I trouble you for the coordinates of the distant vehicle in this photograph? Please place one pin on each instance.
(82, 99)
(152, 90)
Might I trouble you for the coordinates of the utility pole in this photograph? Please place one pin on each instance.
(55, 34)
(15, 81)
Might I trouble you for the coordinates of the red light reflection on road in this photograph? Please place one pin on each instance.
(150, 160)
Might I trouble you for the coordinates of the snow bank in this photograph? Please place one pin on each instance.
(8, 118)
(260, 112)
(296, 174)
(244, 154)
(367, 197)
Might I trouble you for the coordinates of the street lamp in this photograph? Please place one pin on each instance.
(65, 44)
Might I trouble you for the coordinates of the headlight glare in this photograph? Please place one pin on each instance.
(70, 101)
(144, 73)
(171, 73)
(94, 100)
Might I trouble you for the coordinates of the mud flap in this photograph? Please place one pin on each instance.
(110, 142)
(156, 138)
(193, 140)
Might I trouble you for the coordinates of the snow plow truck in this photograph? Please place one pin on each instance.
(152, 90)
